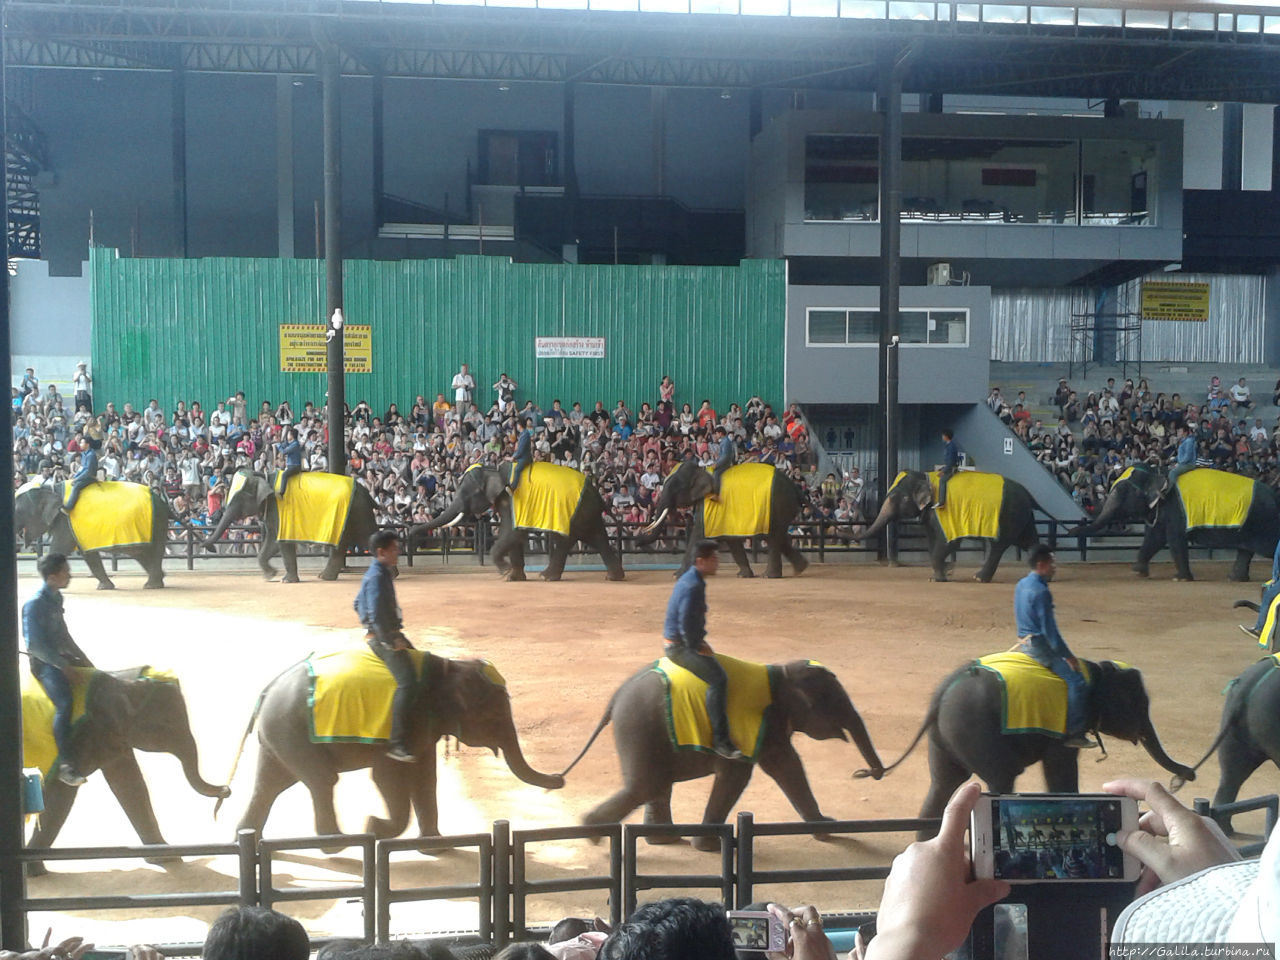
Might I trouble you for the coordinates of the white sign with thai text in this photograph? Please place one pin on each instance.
(559, 348)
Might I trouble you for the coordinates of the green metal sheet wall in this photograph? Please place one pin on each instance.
(202, 329)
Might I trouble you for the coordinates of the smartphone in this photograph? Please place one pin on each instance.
(757, 931)
(104, 955)
(1047, 838)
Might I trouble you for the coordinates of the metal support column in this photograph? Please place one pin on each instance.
(331, 78)
(378, 151)
(13, 921)
(284, 167)
(178, 95)
(569, 226)
(890, 97)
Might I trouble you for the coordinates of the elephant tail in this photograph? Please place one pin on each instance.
(1228, 721)
(930, 719)
(604, 722)
(235, 762)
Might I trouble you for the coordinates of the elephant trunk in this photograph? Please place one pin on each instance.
(856, 729)
(1104, 519)
(1151, 743)
(887, 513)
(447, 519)
(514, 757)
(220, 529)
(188, 755)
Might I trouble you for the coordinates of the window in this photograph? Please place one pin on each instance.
(1119, 182)
(861, 327)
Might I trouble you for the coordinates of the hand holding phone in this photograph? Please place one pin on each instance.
(1048, 838)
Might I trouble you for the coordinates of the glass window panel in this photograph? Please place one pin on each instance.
(913, 326)
(949, 327)
(1120, 182)
(1056, 16)
(862, 9)
(988, 180)
(1098, 17)
(1147, 19)
(911, 11)
(1003, 13)
(827, 326)
(842, 177)
(968, 12)
(1224, 22)
(1192, 21)
(944, 11)
(1248, 23)
(1271, 25)
(764, 8)
(814, 8)
(864, 326)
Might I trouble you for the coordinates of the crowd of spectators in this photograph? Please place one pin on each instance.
(411, 461)
(1097, 436)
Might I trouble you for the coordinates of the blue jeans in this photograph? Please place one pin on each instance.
(517, 468)
(1077, 689)
(58, 687)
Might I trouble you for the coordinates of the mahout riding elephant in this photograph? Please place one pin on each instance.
(756, 499)
(964, 725)
(125, 710)
(465, 699)
(1211, 508)
(985, 506)
(1249, 734)
(129, 519)
(576, 514)
(807, 697)
(318, 508)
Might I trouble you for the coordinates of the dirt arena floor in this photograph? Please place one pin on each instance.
(888, 633)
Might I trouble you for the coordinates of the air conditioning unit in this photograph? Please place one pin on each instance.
(939, 274)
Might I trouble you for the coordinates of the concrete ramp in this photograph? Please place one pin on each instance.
(995, 448)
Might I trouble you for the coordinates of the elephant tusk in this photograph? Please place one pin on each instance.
(453, 523)
(649, 528)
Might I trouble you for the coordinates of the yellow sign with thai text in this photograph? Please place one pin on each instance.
(303, 348)
(1175, 301)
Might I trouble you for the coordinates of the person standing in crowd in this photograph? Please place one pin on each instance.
(379, 613)
(82, 384)
(463, 384)
(506, 390)
(685, 634)
(53, 655)
(30, 383)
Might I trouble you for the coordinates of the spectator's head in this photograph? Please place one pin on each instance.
(385, 547)
(1241, 381)
(947, 435)
(55, 570)
(256, 933)
(706, 557)
(681, 928)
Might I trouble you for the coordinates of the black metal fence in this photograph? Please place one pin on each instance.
(504, 883)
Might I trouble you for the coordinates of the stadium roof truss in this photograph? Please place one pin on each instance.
(1204, 51)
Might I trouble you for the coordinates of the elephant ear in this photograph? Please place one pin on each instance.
(263, 494)
(794, 696)
(923, 496)
(52, 504)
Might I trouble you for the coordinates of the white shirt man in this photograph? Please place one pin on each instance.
(463, 384)
(1240, 394)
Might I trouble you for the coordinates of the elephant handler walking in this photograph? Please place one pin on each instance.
(685, 633)
(53, 654)
(377, 609)
(1039, 638)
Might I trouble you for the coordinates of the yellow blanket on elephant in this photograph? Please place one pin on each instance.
(1033, 697)
(973, 505)
(547, 497)
(315, 507)
(1215, 498)
(351, 693)
(1269, 625)
(746, 499)
(111, 514)
(749, 693)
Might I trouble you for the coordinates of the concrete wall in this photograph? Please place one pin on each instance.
(849, 373)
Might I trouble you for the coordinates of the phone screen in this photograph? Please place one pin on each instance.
(749, 933)
(1036, 838)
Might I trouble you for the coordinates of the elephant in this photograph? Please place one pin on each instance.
(806, 697)
(965, 736)
(125, 710)
(252, 495)
(485, 488)
(38, 508)
(1249, 734)
(1166, 523)
(462, 700)
(689, 485)
(911, 496)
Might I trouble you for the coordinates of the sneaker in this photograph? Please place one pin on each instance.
(398, 752)
(1080, 742)
(68, 775)
(1250, 632)
(729, 752)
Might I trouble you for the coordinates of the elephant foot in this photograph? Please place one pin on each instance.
(1234, 579)
(36, 868)
(1187, 579)
(939, 578)
(615, 575)
(515, 575)
(800, 563)
(106, 585)
(664, 841)
(746, 574)
(153, 585)
(979, 578)
(549, 577)
(164, 861)
(289, 579)
(706, 844)
(1140, 571)
(380, 828)
(824, 837)
(269, 573)
(773, 574)
(322, 575)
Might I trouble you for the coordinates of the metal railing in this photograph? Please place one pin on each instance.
(1270, 803)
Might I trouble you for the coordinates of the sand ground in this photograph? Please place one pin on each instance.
(888, 633)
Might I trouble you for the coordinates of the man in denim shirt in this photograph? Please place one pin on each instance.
(53, 654)
(377, 608)
(1038, 633)
(685, 631)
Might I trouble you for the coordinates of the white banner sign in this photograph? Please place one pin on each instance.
(559, 348)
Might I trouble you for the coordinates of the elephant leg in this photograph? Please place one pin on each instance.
(946, 773)
(731, 779)
(739, 554)
(773, 567)
(423, 793)
(93, 560)
(270, 547)
(271, 779)
(508, 554)
(658, 811)
(289, 554)
(617, 807)
(1237, 760)
(395, 793)
(58, 798)
(995, 551)
(1240, 569)
(799, 562)
(939, 550)
(334, 565)
(1146, 550)
(557, 554)
(1061, 769)
(152, 561)
(787, 769)
(598, 539)
(1181, 556)
(124, 777)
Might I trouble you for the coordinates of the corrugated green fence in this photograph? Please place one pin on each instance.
(202, 329)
